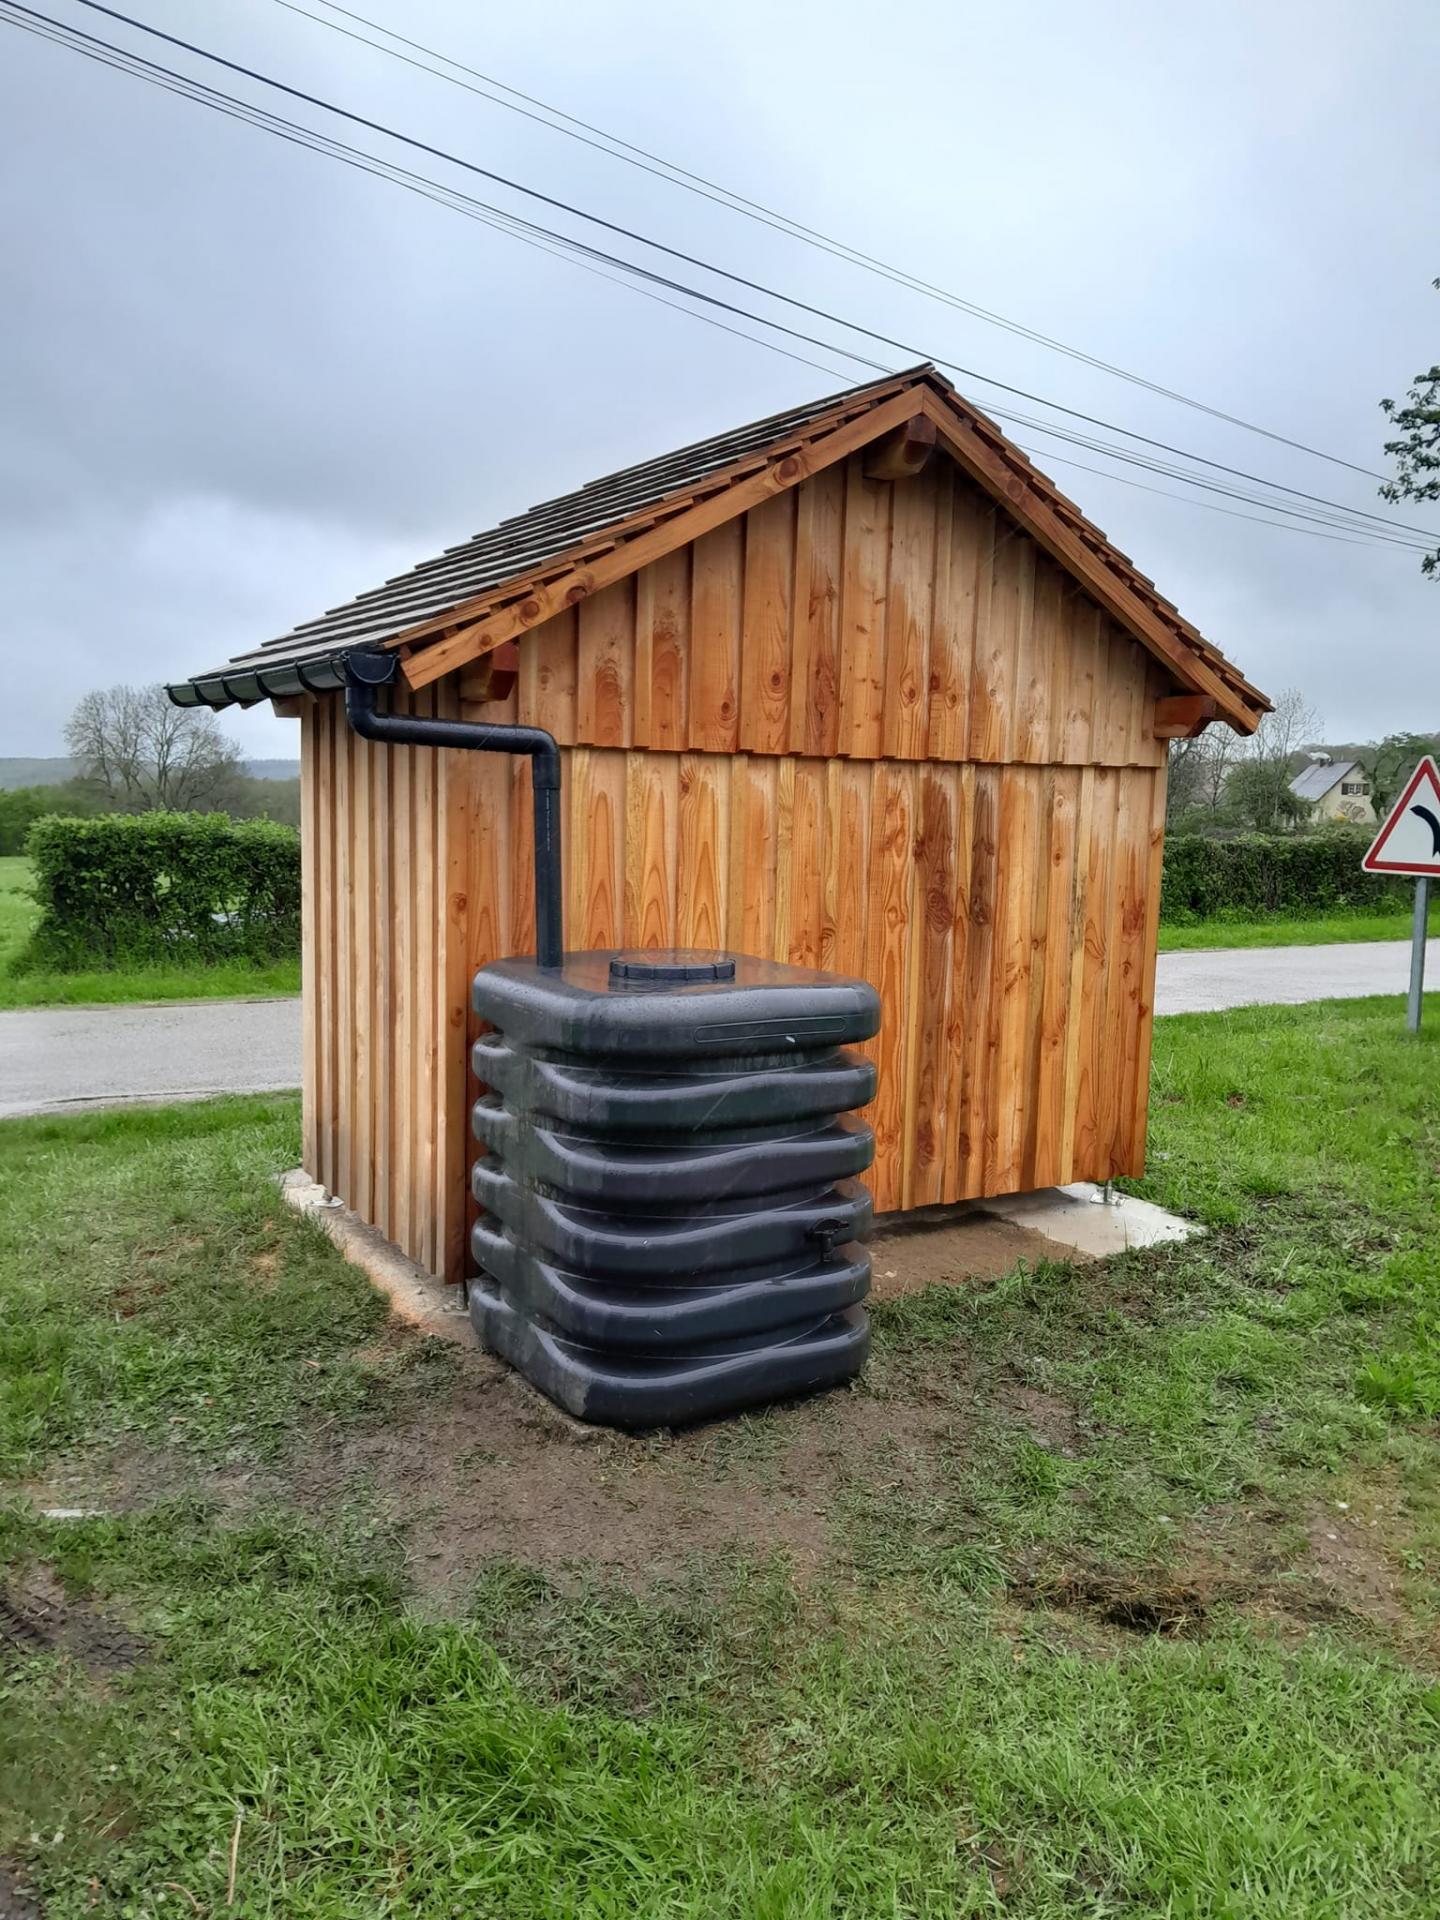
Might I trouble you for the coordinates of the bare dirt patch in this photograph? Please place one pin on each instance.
(1300, 1569)
(1048, 1420)
(490, 1470)
(481, 1467)
(265, 1266)
(1350, 1563)
(1157, 1606)
(37, 1617)
(947, 1248)
(135, 1475)
(16, 1902)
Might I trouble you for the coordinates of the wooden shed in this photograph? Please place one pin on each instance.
(854, 687)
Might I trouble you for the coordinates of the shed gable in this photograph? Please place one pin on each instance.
(478, 597)
(907, 620)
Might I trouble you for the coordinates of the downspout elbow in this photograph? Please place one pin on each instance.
(367, 668)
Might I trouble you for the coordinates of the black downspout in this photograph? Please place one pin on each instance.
(367, 668)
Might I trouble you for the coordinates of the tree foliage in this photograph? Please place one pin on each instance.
(136, 751)
(21, 807)
(255, 799)
(1391, 763)
(1199, 769)
(1221, 781)
(1416, 448)
(1260, 796)
(1270, 760)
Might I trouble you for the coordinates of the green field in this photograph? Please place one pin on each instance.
(1109, 1591)
(121, 984)
(1322, 930)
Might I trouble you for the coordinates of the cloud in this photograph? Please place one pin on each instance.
(241, 383)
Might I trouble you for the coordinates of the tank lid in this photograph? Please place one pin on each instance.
(670, 967)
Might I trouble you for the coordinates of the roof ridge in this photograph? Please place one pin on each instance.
(777, 420)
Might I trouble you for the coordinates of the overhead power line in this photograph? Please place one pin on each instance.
(170, 81)
(549, 240)
(1165, 467)
(601, 140)
(755, 286)
(1123, 480)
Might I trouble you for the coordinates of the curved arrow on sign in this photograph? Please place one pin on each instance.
(1434, 825)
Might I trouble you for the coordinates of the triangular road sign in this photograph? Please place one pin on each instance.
(1409, 841)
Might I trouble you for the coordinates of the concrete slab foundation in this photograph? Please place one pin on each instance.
(415, 1296)
(944, 1245)
(1084, 1218)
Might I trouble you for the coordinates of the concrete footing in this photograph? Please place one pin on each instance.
(415, 1296)
(1081, 1219)
(1095, 1221)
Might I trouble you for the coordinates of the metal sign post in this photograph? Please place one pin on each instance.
(1409, 842)
(1417, 956)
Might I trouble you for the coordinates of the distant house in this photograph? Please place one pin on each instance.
(1336, 790)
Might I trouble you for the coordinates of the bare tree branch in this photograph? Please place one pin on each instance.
(136, 751)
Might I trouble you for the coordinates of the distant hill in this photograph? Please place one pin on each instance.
(35, 773)
(52, 772)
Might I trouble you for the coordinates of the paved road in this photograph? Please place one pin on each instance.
(61, 1059)
(1210, 981)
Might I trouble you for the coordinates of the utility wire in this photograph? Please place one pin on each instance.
(603, 141)
(228, 104)
(1171, 471)
(1122, 480)
(579, 252)
(677, 253)
(498, 217)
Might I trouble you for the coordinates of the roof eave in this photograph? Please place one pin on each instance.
(249, 687)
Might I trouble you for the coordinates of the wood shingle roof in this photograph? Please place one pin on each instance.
(504, 581)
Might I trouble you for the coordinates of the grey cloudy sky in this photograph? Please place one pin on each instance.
(241, 383)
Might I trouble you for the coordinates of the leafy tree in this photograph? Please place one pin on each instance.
(136, 751)
(1391, 763)
(1259, 793)
(266, 800)
(1417, 449)
(21, 807)
(1258, 789)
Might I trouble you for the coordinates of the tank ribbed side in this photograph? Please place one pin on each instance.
(664, 1239)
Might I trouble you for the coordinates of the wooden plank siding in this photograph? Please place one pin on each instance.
(394, 902)
(867, 726)
(869, 867)
(907, 620)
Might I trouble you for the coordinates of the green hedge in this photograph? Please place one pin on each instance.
(137, 889)
(165, 887)
(1287, 874)
(21, 807)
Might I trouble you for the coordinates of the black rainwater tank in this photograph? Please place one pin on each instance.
(671, 1219)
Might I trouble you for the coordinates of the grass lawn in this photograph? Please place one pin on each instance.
(120, 984)
(1109, 1591)
(1320, 931)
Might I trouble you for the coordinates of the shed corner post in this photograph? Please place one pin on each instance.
(309, 1091)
